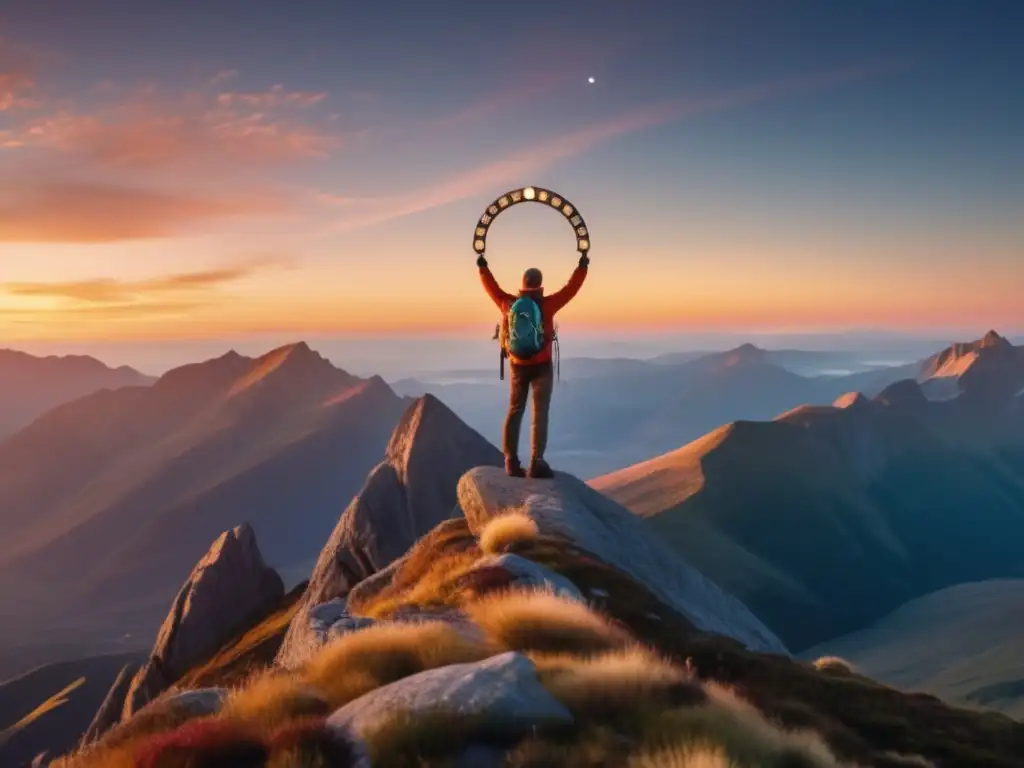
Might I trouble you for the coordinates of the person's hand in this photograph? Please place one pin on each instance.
(481, 261)
(584, 261)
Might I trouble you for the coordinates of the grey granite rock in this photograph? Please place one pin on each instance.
(229, 585)
(404, 497)
(502, 692)
(569, 509)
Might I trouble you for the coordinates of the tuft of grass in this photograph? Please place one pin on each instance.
(746, 735)
(426, 737)
(362, 661)
(205, 742)
(835, 665)
(692, 756)
(424, 574)
(537, 620)
(158, 717)
(437, 586)
(508, 532)
(274, 698)
(631, 679)
(307, 743)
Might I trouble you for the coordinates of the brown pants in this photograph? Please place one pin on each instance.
(522, 378)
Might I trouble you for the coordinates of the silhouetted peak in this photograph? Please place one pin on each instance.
(745, 354)
(905, 392)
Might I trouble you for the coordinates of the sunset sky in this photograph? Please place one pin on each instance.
(221, 168)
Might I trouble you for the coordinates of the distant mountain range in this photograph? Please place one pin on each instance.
(607, 414)
(829, 517)
(29, 385)
(964, 644)
(110, 499)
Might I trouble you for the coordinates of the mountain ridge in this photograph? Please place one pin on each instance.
(33, 385)
(148, 476)
(780, 512)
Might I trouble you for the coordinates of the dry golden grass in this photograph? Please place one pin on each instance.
(58, 699)
(437, 586)
(273, 699)
(834, 664)
(362, 661)
(507, 532)
(618, 680)
(746, 735)
(537, 620)
(693, 756)
(424, 738)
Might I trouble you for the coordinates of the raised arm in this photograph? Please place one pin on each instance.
(498, 296)
(560, 298)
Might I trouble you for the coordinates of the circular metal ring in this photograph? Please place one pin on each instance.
(532, 195)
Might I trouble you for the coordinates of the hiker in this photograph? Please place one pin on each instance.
(526, 341)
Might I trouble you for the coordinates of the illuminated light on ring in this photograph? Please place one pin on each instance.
(529, 195)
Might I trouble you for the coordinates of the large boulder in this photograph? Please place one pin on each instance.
(228, 587)
(569, 509)
(501, 691)
(404, 498)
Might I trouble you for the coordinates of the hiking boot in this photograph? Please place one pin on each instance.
(513, 468)
(539, 470)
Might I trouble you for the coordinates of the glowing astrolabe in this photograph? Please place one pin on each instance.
(532, 195)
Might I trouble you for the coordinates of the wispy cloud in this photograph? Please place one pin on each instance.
(362, 212)
(111, 291)
(147, 136)
(223, 76)
(96, 213)
(273, 98)
(499, 100)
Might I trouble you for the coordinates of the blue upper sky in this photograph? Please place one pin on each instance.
(791, 163)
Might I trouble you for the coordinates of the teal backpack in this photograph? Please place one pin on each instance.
(523, 335)
(525, 328)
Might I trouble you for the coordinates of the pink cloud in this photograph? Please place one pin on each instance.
(17, 68)
(518, 167)
(150, 134)
(96, 213)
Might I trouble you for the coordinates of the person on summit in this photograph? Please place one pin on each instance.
(527, 332)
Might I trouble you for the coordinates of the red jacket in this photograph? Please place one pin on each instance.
(549, 305)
